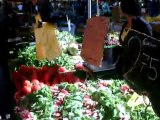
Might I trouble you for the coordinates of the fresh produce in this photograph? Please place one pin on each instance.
(72, 48)
(112, 39)
(66, 61)
(27, 88)
(26, 83)
(35, 82)
(36, 106)
(34, 77)
(27, 56)
(62, 69)
(79, 39)
(48, 90)
(65, 38)
(91, 100)
(79, 66)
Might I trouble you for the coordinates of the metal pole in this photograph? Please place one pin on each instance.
(89, 9)
(98, 12)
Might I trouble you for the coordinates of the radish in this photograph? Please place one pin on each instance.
(62, 69)
(64, 91)
(57, 114)
(124, 88)
(79, 66)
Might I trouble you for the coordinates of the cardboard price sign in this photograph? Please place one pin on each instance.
(93, 41)
(142, 54)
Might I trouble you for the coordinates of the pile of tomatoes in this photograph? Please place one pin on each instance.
(28, 87)
(29, 79)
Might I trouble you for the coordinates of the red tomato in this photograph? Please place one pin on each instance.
(26, 83)
(35, 87)
(35, 81)
(26, 90)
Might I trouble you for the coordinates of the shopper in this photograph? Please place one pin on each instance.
(132, 12)
(6, 86)
(46, 11)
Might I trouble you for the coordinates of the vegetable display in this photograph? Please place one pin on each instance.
(90, 100)
(47, 75)
(27, 56)
(112, 39)
(53, 90)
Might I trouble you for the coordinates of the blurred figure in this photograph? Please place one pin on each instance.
(105, 9)
(132, 12)
(153, 8)
(45, 9)
(6, 85)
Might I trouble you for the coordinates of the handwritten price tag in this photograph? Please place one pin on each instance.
(142, 55)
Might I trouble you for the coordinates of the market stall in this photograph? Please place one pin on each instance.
(62, 84)
(53, 89)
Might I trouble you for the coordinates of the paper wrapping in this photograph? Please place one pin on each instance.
(47, 45)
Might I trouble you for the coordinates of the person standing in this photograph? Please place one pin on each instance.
(6, 85)
(131, 11)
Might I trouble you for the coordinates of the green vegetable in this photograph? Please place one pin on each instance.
(108, 102)
(27, 55)
(72, 51)
(40, 103)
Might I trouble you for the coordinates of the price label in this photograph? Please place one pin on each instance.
(142, 55)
